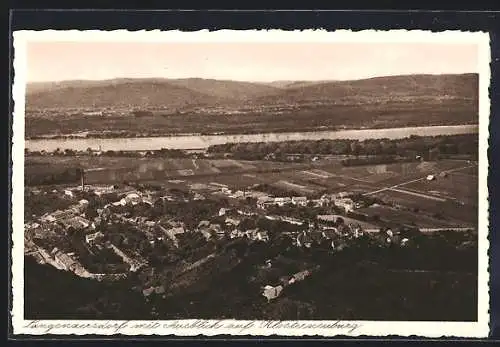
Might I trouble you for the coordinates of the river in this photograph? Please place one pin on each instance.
(204, 141)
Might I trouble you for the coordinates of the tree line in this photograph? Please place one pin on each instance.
(413, 145)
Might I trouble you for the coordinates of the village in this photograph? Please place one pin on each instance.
(109, 230)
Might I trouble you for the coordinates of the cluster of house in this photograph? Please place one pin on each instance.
(170, 230)
(98, 190)
(132, 198)
(135, 262)
(236, 194)
(340, 200)
(230, 229)
(68, 262)
(128, 196)
(268, 201)
(71, 218)
(74, 219)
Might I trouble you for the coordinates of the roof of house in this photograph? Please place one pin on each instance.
(62, 214)
(232, 221)
(301, 275)
(64, 258)
(282, 198)
(272, 292)
(264, 199)
(206, 233)
(76, 222)
(214, 226)
(176, 230)
(329, 233)
(93, 235)
(203, 223)
(148, 291)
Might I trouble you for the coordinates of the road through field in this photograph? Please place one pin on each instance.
(420, 195)
(416, 180)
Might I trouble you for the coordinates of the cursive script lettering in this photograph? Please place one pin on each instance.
(200, 326)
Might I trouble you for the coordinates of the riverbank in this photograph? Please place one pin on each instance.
(152, 134)
(186, 142)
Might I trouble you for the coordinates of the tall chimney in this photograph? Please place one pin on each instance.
(83, 179)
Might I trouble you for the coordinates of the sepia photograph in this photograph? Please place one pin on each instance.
(251, 183)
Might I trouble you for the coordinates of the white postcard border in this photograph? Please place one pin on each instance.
(231, 327)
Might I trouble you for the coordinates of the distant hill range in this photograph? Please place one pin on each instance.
(197, 92)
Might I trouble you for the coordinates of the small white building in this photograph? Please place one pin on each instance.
(197, 196)
(282, 201)
(262, 236)
(235, 233)
(431, 178)
(91, 237)
(263, 202)
(299, 200)
(232, 221)
(48, 218)
(102, 190)
(83, 202)
(238, 194)
(346, 204)
(131, 199)
(207, 234)
(204, 224)
(271, 292)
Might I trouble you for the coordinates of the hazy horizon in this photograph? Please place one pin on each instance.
(246, 62)
(234, 80)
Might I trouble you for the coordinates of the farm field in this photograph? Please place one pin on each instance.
(456, 186)
(472, 171)
(93, 162)
(453, 198)
(113, 169)
(295, 187)
(448, 210)
(235, 181)
(408, 218)
(388, 174)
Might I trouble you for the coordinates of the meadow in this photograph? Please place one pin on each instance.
(448, 200)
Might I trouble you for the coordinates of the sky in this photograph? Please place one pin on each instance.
(259, 62)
